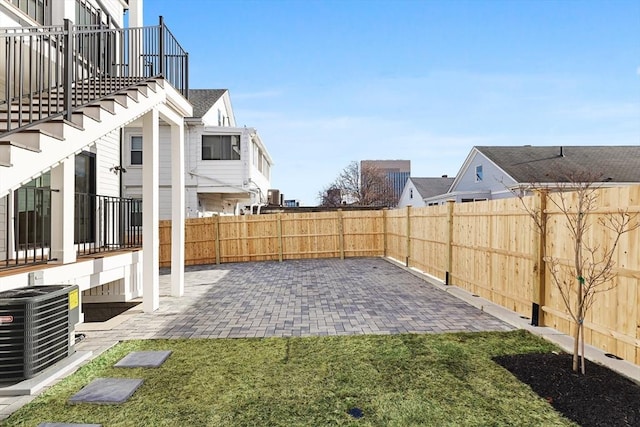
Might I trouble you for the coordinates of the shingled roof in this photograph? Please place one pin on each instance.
(567, 163)
(429, 187)
(203, 99)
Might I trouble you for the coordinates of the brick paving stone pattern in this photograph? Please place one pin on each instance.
(299, 298)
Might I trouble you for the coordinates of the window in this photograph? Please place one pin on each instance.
(85, 206)
(39, 10)
(136, 150)
(220, 147)
(411, 193)
(478, 173)
(32, 204)
(261, 161)
(86, 14)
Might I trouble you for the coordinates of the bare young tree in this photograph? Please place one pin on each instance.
(360, 186)
(331, 196)
(591, 271)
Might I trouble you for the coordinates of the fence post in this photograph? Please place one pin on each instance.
(448, 272)
(217, 241)
(539, 285)
(384, 232)
(340, 234)
(408, 236)
(279, 228)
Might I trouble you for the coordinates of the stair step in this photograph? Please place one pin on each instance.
(92, 111)
(119, 98)
(57, 127)
(21, 146)
(28, 141)
(108, 105)
(6, 148)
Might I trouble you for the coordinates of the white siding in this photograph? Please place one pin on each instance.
(406, 199)
(233, 181)
(107, 152)
(220, 113)
(133, 177)
(494, 180)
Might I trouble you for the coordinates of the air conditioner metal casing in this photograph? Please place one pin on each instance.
(36, 329)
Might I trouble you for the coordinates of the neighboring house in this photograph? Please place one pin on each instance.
(494, 172)
(418, 189)
(227, 168)
(67, 94)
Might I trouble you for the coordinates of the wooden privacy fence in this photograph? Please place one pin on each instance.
(278, 237)
(491, 249)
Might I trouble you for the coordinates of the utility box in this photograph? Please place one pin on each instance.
(37, 327)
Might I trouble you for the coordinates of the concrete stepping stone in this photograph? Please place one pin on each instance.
(68, 425)
(143, 359)
(107, 391)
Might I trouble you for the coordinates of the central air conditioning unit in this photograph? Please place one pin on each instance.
(37, 326)
(273, 197)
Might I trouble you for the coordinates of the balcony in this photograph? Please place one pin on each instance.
(102, 224)
(50, 72)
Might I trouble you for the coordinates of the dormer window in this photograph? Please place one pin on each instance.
(479, 173)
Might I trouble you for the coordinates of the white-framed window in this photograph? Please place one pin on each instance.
(479, 173)
(220, 147)
(136, 150)
(39, 10)
(411, 193)
(266, 170)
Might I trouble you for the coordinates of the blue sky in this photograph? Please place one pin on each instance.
(326, 82)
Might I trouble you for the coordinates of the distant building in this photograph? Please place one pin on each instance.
(397, 172)
(495, 172)
(291, 203)
(227, 168)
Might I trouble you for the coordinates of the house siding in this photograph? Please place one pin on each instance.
(406, 200)
(222, 105)
(233, 178)
(107, 151)
(494, 180)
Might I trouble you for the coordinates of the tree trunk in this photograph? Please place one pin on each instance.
(576, 341)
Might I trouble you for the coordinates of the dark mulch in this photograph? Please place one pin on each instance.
(600, 398)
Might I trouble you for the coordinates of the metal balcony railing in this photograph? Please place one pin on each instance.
(105, 223)
(51, 71)
(101, 224)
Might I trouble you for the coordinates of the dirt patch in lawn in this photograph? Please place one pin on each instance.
(602, 397)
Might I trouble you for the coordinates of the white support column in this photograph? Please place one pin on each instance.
(135, 14)
(150, 216)
(63, 211)
(177, 209)
(136, 62)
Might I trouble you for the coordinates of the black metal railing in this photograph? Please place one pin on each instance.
(105, 223)
(101, 224)
(52, 71)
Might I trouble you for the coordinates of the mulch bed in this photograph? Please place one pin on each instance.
(600, 398)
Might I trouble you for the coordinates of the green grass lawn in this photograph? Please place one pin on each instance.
(396, 380)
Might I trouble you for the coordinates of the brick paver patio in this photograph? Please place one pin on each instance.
(299, 298)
